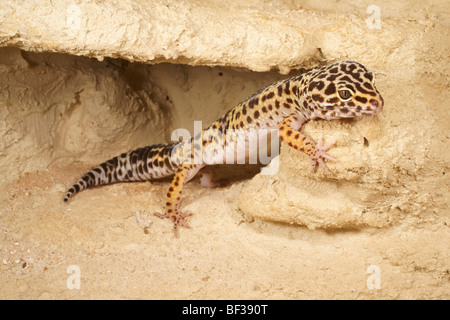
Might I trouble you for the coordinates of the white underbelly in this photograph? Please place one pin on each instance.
(243, 147)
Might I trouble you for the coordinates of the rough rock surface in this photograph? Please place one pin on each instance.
(294, 234)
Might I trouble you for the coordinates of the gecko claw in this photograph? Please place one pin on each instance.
(319, 157)
(179, 219)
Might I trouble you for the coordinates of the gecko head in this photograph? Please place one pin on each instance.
(343, 90)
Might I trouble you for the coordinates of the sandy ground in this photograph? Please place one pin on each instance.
(98, 237)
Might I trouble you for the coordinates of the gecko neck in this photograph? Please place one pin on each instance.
(303, 103)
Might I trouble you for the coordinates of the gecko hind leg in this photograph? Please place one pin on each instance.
(206, 178)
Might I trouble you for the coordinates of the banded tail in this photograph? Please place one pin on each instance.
(143, 164)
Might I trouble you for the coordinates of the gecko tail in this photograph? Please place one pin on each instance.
(143, 164)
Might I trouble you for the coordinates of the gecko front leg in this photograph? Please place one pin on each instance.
(290, 134)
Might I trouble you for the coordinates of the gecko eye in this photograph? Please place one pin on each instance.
(344, 95)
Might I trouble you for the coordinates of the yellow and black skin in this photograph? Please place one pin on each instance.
(340, 90)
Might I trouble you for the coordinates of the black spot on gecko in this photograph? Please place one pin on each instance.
(167, 163)
(316, 84)
(280, 90)
(286, 89)
(331, 89)
(277, 104)
(332, 77)
(346, 78)
(361, 99)
(362, 90)
(317, 97)
(294, 90)
(368, 85)
(334, 70)
(356, 76)
(333, 100)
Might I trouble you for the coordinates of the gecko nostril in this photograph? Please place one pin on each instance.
(377, 105)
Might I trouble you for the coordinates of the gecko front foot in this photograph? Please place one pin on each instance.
(178, 218)
(318, 158)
